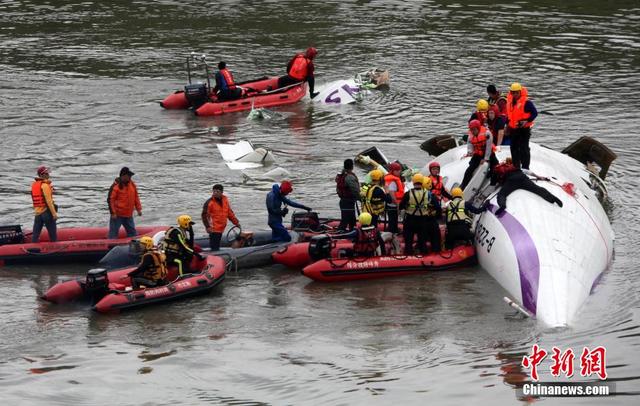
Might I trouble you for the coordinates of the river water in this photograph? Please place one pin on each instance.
(80, 86)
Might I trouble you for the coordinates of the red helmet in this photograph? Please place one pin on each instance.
(475, 124)
(311, 52)
(394, 166)
(434, 164)
(286, 187)
(43, 170)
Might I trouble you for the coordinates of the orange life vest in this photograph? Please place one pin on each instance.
(515, 112)
(388, 179)
(37, 196)
(366, 241)
(158, 270)
(479, 141)
(436, 185)
(228, 78)
(299, 68)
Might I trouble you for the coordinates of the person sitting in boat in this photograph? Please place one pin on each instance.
(225, 88)
(152, 269)
(437, 184)
(458, 220)
(395, 187)
(512, 178)
(373, 196)
(275, 199)
(123, 199)
(480, 149)
(178, 244)
(301, 69)
(497, 124)
(482, 106)
(215, 213)
(368, 240)
(44, 208)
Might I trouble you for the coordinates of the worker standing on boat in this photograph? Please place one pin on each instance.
(434, 213)
(458, 220)
(496, 124)
(513, 178)
(178, 244)
(480, 149)
(497, 99)
(215, 213)
(348, 189)
(152, 269)
(122, 199)
(301, 69)
(395, 188)
(415, 203)
(374, 197)
(275, 199)
(521, 113)
(437, 183)
(44, 208)
(225, 86)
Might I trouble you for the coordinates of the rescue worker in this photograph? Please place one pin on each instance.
(152, 269)
(122, 199)
(513, 178)
(215, 213)
(225, 86)
(482, 107)
(434, 213)
(458, 220)
(348, 189)
(497, 99)
(479, 148)
(275, 198)
(437, 185)
(496, 124)
(395, 188)
(301, 69)
(521, 113)
(44, 207)
(374, 197)
(368, 240)
(178, 244)
(415, 203)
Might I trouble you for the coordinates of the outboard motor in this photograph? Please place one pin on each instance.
(196, 94)
(11, 235)
(97, 284)
(320, 247)
(305, 221)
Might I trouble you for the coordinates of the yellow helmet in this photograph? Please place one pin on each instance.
(515, 87)
(146, 242)
(184, 220)
(417, 178)
(375, 175)
(427, 183)
(457, 192)
(482, 105)
(364, 219)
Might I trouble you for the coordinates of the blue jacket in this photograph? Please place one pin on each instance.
(274, 205)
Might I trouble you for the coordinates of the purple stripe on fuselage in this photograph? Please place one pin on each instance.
(527, 255)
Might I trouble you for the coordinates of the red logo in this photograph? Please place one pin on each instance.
(591, 362)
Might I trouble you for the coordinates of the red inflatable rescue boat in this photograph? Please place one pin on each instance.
(350, 269)
(73, 244)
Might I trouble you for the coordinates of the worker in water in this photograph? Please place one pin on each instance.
(395, 189)
(368, 239)
(152, 269)
(437, 184)
(374, 197)
(459, 220)
(301, 69)
(513, 178)
(178, 244)
(123, 199)
(521, 114)
(275, 199)
(215, 213)
(44, 207)
(480, 148)
(226, 89)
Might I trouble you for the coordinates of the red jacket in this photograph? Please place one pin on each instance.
(123, 199)
(215, 214)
